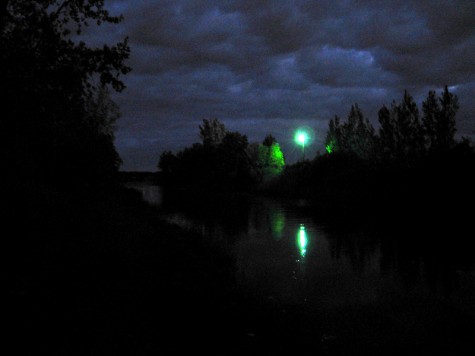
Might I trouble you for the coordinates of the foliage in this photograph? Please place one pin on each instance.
(333, 138)
(411, 162)
(270, 160)
(212, 132)
(221, 162)
(269, 140)
(401, 133)
(356, 136)
(404, 137)
(58, 116)
(439, 120)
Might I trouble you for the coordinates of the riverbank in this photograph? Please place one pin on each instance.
(100, 273)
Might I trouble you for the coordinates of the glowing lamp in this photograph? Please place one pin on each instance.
(301, 138)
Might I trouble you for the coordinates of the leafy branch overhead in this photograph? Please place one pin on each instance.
(54, 83)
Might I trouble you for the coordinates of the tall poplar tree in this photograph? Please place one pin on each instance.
(439, 120)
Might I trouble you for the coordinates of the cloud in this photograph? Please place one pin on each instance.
(264, 65)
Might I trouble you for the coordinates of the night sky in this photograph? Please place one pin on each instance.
(269, 66)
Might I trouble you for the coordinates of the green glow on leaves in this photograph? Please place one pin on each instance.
(277, 155)
(271, 160)
(330, 146)
(302, 240)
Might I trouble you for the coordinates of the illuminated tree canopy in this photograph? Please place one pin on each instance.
(329, 147)
(270, 158)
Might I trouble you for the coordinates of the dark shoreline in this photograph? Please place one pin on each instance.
(93, 272)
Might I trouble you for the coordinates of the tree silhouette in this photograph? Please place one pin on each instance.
(333, 138)
(401, 134)
(269, 140)
(404, 137)
(356, 136)
(212, 132)
(53, 88)
(387, 134)
(409, 130)
(439, 120)
(359, 133)
(221, 162)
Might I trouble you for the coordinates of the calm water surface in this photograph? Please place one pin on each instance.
(285, 255)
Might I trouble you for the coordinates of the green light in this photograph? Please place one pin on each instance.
(301, 138)
(302, 240)
(330, 147)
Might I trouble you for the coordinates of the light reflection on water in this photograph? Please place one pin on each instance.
(302, 240)
(283, 253)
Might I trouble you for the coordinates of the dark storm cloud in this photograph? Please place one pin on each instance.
(267, 66)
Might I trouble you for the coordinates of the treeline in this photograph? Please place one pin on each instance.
(57, 116)
(404, 135)
(413, 158)
(412, 164)
(224, 160)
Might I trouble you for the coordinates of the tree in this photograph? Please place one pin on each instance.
(53, 89)
(213, 165)
(439, 120)
(410, 137)
(401, 136)
(234, 162)
(446, 123)
(356, 136)
(269, 140)
(271, 160)
(359, 134)
(212, 132)
(102, 112)
(334, 136)
(387, 133)
(167, 162)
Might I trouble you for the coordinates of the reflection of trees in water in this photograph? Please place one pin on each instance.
(436, 255)
(227, 211)
(268, 217)
(431, 255)
(359, 248)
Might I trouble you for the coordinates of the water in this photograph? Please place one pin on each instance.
(283, 253)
